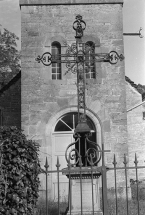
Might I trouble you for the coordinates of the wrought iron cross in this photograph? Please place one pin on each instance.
(78, 58)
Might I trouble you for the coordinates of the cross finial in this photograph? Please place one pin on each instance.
(79, 26)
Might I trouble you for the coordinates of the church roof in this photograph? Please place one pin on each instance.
(11, 82)
(140, 88)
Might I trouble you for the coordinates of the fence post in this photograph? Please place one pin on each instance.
(46, 172)
(1, 175)
(58, 166)
(136, 171)
(104, 184)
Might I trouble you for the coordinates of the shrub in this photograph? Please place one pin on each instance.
(20, 168)
(52, 207)
(141, 189)
(122, 203)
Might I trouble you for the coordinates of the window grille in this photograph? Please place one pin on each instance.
(90, 61)
(69, 121)
(56, 66)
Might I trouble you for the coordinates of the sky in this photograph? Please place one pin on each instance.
(133, 19)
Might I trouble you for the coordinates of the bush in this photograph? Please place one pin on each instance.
(141, 189)
(52, 207)
(20, 169)
(122, 202)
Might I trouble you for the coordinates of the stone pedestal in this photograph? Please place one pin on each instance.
(89, 189)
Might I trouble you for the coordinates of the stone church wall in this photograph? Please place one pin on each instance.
(42, 98)
(136, 130)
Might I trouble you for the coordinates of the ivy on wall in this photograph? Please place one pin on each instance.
(20, 167)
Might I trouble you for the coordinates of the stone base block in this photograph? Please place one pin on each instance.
(89, 190)
(85, 213)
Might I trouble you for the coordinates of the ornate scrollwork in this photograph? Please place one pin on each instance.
(46, 59)
(75, 56)
(71, 49)
(70, 58)
(79, 26)
(72, 155)
(93, 154)
(114, 57)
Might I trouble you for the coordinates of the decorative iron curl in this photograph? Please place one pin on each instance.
(46, 59)
(93, 153)
(114, 57)
(71, 52)
(71, 68)
(71, 49)
(75, 157)
(79, 26)
(89, 48)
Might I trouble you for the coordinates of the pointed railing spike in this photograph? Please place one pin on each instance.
(46, 164)
(91, 163)
(136, 161)
(69, 164)
(125, 160)
(57, 164)
(114, 161)
(80, 162)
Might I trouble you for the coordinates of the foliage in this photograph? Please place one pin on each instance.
(140, 186)
(20, 169)
(52, 207)
(122, 201)
(122, 207)
(9, 55)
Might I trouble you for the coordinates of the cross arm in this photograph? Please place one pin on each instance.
(47, 58)
(112, 57)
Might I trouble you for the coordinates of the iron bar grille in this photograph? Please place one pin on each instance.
(126, 197)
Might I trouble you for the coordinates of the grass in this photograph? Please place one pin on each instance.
(121, 204)
(122, 207)
(122, 201)
(52, 208)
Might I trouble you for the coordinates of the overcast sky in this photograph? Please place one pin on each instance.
(133, 19)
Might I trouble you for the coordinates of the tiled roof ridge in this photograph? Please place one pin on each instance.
(140, 88)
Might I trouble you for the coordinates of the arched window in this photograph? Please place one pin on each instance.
(67, 124)
(90, 60)
(56, 66)
(69, 121)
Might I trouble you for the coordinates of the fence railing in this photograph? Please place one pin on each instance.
(92, 174)
(134, 183)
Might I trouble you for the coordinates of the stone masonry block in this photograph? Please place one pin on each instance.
(62, 102)
(106, 126)
(34, 117)
(25, 119)
(45, 116)
(32, 130)
(95, 106)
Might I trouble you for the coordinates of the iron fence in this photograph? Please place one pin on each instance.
(91, 173)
